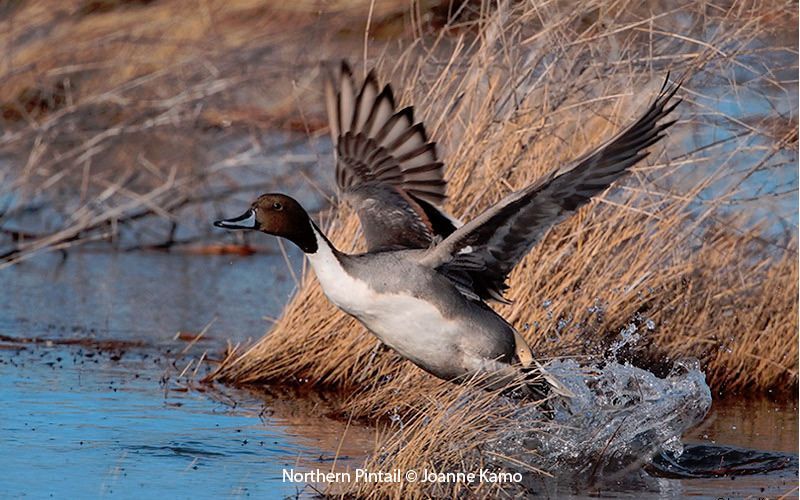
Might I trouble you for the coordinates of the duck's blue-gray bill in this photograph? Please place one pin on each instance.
(245, 221)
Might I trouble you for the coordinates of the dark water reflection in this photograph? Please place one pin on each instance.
(145, 295)
(82, 427)
(740, 437)
(96, 401)
(733, 420)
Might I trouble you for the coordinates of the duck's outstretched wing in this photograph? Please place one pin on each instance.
(385, 165)
(479, 255)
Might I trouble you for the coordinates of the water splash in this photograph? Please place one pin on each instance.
(621, 416)
(629, 336)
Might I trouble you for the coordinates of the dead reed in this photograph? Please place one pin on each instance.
(658, 251)
(130, 121)
(117, 117)
(666, 254)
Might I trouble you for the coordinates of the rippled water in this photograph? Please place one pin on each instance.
(109, 427)
(92, 394)
(91, 424)
(89, 366)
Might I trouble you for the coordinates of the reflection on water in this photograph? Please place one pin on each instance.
(98, 405)
(96, 402)
(145, 295)
(733, 421)
(105, 425)
(756, 424)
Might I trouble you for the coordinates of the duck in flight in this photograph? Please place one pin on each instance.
(425, 283)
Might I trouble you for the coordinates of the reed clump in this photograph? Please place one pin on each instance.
(656, 252)
(667, 257)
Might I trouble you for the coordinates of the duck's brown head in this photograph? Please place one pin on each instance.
(279, 215)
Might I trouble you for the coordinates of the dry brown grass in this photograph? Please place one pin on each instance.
(651, 249)
(123, 120)
(448, 431)
(123, 106)
(535, 86)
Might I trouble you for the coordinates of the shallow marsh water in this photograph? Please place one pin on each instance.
(81, 427)
(93, 400)
(91, 394)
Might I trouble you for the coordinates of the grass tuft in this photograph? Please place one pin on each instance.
(669, 253)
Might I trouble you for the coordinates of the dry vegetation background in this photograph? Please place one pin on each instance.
(126, 121)
(678, 252)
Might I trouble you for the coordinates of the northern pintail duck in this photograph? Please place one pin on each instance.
(424, 284)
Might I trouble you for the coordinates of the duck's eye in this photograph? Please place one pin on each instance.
(277, 206)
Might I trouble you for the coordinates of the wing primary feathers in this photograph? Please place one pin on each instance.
(488, 247)
(346, 98)
(385, 164)
(382, 135)
(384, 105)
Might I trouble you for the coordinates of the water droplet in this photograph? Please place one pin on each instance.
(674, 446)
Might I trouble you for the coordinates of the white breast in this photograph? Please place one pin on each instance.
(413, 327)
(346, 292)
